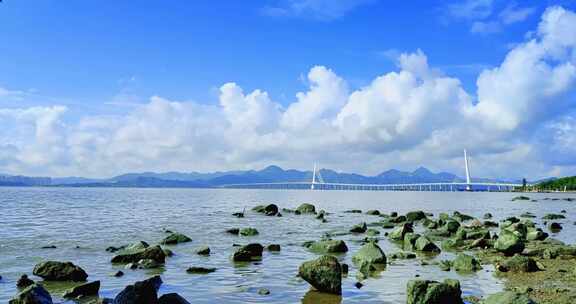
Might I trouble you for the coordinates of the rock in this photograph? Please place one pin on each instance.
(359, 228)
(168, 252)
(414, 216)
(263, 291)
(204, 250)
(259, 208)
(372, 232)
(466, 263)
(432, 292)
(369, 253)
(172, 298)
(398, 219)
(521, 198)
(138, 246)
(536, 235)
(508, 297)
(153, 253)
(353, 211)
(238, 214)
(527, 215)
(148, 264)
(461, 217)
(426, 245)
(508, 243)
(518, 263)
(445, 265)
(24, 282)
(141, 292)
(409, 241)
(552, 216)
(60, 271)
(250, 252)
(402, 256)
(200, 270)
(248, 231)
(176, 238)
(234, 231)
(489, 224)
(393, 214)
(33, 294)
(271, 210)
(554, 227)
(84, 290)
(451, 226)
(48, 247)
(118, 274)
(328, 246)
(323, 273)
(373, 212)
(273, 247)
(399, 232)
(487, 216)
(306, 208)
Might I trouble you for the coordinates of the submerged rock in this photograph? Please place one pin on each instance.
(414, 216)
(33, 294)
(508, 243)
(204, 250)
(141, 292)
(508, 297)
(554, 227)
(520, 198)
(84, 290)
(273, 247)
(24, 281)
(176, 238)
(323, 273)
(466, 263)
(60, 271)
(432, 292)
(172, 298)
(153, 253)
(328, 246)
(234, 231)
(399, 232)
(250, 252)
(200, 270)
(552, 216)
(263, 291)
(306, 208)
(248, 231)
(373, 212)
(359, 228)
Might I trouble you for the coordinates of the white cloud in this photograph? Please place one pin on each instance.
(470, 9)
(325, 10)
(519, 122)
(512, 13)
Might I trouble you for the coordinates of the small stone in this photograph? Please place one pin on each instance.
(118, 274)
(204, 250)
(200, 270)
(358, 285)
(263, 291)
(273, 247)
(359, 228)
(176, 238)
(248, 232)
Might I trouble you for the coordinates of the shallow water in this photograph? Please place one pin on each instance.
(94, 219)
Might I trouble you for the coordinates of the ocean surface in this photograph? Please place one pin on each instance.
(82, 223)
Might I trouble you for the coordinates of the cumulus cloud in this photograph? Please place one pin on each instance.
(519, 122)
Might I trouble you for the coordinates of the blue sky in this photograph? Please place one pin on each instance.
(103, 61)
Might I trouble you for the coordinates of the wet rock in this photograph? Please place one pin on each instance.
(518, 263)
(138, 246)
(453, 244)
(271, 210)
(520, 198)
(402, 256)
(527, 215)
(353, 211)
(489, 224)
(398, 219)
(33, 294)
(432, 292)
(487, 216)
(536, 234)
(204, 250)
(399, 232)
(518, 229)
(393, 214)
(141, 292)
(248, 231)
(24, 282)
(552, 216)
(359, 228)
(238, 214)
(451, 226)
(48, 247)
(172, 298)
(60, 271)
(168, 252)
(306, 208)
(263, 291)
(369, 253)
(387, 225)
(323, 273)
(84, 290)
(554, 227)
(176, 238)
(414, 216)
(466, 263)
(508, 243)
(118, 274)
(508, 297)
(481, 243)
(373, 212)
(461, 217)
(424, 244)
(372, 232)
(410, 240)
(259, 208)
(250, 252)
(273, 247)
(445, 265)
(234, 231)
(200, 270)
(148, 264)
(328, 246)
(153, 253)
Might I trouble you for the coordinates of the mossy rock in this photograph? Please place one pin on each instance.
(359, 228)
(328, 246)
(248, 231)
(176, 238)
(60, 271)
(247, 253)
(373, 212)
(370, 253)
(518, 263)
(155, 253)
(508, 297)
(509, 243)
(414, 216)
(409, 241)
(432, 292)
(33, 294)
(466, 263)
(424, 244)
(323, 273)
(306, 208)
(399, 232)
(552, 216)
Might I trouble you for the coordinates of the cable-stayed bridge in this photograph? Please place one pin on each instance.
(318, 183)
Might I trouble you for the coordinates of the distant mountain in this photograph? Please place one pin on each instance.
(270, 174)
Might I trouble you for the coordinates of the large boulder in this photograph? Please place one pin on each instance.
(369, 253)
(328, 246)
(306, 208)
(172, 298)
(399, 232)
(410, 240)
(60, 271)
(426, 245)
(323, 273)
(84, 290)
(414, 216)
(141, 292)
(466, 263)
(508, 297)
(247, 253)
(518, 263)
(451, 226)
(33, 294)
(509, 243)
(176, 238)
(153, 253)
(432, 292)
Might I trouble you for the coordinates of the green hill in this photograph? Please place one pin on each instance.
(559, 184)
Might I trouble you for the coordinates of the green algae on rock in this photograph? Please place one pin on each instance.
(323, 273)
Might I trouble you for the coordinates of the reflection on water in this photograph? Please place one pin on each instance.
(82, 223)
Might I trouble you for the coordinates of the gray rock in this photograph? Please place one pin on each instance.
(33, 294)
(154, 253)
(176, 238)
(84, 290)
(60, 271)
(204, 250)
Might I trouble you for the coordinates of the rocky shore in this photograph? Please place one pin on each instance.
(534, 267)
